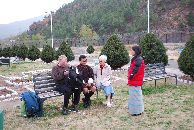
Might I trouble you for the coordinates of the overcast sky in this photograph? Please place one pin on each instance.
(17, 10)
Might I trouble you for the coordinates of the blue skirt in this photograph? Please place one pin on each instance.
(108, 90)
(135, 103)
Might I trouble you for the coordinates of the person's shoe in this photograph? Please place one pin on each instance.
(109, 104)
(65, 111)
(136, 114)
(74, 108)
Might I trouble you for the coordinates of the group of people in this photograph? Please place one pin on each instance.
(90, 79)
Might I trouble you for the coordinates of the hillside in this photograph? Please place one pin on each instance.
(12, 29)
(117, 16)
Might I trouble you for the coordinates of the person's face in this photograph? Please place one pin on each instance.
(83, 61)
(132, 52)
(102, 62)
(63, 62)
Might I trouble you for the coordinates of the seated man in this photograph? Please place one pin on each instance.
(60, 74)
(87, 73)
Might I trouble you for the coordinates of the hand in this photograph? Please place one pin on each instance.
(66, 72)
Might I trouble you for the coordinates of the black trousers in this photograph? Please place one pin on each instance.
(65, 89)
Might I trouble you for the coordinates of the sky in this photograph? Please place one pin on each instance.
(17, 10)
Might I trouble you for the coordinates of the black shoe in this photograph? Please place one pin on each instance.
(65, 111)
(136, 114)
(74, 108)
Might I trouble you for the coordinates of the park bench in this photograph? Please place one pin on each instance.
(156, 72)
(5, 61)
(44, 86)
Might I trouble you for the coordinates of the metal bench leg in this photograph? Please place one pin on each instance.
(165, 80)
(96, 93)
(41, 112)
(176, 79)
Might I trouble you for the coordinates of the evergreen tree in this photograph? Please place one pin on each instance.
(48, 54)
(186, 58)
(15, 50)
(33, 53)
(116, 52)
(65, 49)
(90, 49)
(23, 51)
(6, 52)
(153, 50)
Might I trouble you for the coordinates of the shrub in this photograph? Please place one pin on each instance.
(116, 52)
(33, 53)
(186, 60)
(23, 51)
(153, 50)
(15, 50)
(6, 52)
(48, 54)
(90, 49)
(65, 49)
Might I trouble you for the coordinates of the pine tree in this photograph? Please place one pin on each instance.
(65, 49)
(33, 53)
(6, 52)
(116, 52)
(48, 54)
(153, 50)
(15, 50)
(186, 58)
(90, 49)
(23, 51)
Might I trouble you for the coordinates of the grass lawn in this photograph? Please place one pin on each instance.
(166, 107)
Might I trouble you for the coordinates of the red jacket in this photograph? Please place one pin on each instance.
(136, 71)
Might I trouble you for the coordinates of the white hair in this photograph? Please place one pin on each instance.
(103, 58)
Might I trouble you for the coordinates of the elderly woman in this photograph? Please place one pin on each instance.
(135, 81)
(102, 75)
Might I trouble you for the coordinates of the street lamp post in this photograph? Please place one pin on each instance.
(51, 30)
(148, 6)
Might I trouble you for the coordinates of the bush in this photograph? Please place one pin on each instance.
(33, 53)
(6, 52)
(15, 50)
(65, 49)
(153, 50)
(90, 49)
(23, 51)
(186, 60)
(116, 52)
(47, 54)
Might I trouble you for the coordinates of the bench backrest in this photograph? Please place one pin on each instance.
(5, 60)
(43, 82)
(154, 70)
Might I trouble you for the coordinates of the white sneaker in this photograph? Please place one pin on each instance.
(109, 104)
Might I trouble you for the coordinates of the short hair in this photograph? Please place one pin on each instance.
(62, 57)
(136, 49)
(82, 57)
(103, 58)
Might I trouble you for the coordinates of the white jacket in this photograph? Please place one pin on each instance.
(103, 79)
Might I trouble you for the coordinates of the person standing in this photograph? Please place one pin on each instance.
(135, 81)
(102, 75)
(88, 76)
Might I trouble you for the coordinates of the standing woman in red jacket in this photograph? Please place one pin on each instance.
(135, 81)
